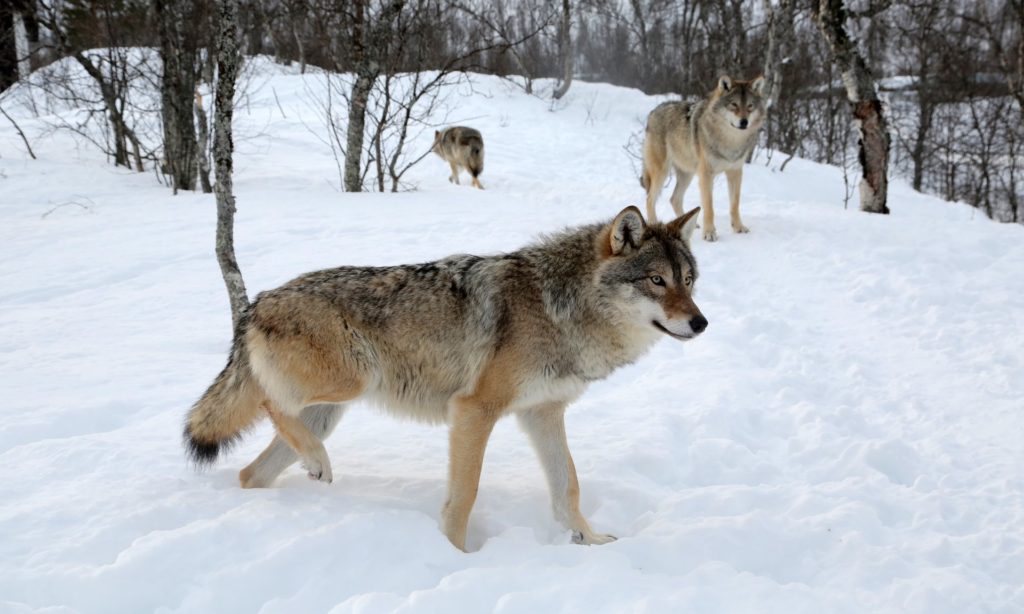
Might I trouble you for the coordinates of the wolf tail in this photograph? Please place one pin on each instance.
(476, 158)
(229, 407)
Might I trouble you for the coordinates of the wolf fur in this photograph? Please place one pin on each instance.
(705, 138)
(461, 147)
(463, 341)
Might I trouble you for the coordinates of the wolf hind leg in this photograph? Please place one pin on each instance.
(545, 427)
(454, 178)
(319, 419)
(306, 445)
(683, 180)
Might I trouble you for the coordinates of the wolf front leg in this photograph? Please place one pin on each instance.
(471, 426)
(545, 426)
(734, 177)
(706, 180)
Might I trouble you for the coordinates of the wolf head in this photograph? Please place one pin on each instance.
(740, 103)
(649, 273)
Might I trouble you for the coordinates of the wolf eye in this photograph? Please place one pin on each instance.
(750, 107)
(688, 281)
(657, 280)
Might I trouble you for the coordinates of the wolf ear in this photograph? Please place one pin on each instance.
(725, 83)
(684, 225)
(626, 230)
(758, 85)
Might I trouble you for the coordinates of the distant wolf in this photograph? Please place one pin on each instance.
(464, 341)
(461, 147)
(704, 138)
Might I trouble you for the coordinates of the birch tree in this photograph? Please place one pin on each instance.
(565, 45)
(177, 89)
(867, 110)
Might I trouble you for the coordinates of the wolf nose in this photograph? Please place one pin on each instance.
(743, 124)
(698, 323)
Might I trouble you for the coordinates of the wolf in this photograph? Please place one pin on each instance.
(704, 138)
(464, 341)
(461, 147)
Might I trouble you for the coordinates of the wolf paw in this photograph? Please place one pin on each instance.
(318, 471)
(592, 539)
(710, 234)
(740, 228)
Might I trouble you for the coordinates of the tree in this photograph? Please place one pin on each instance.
(565, 47)
(228, 58)
(370, 39)
(178, 52)
(866, 107)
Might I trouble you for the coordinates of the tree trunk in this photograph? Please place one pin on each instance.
(780, 35)
(368, 45)
(203, 158)
(178, 85)
(357, 99)
(223, 152)
(8, 49)
(565, 43)
(21, 46)
(867, 108)
(925, 112)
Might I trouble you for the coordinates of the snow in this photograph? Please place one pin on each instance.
(845, 437)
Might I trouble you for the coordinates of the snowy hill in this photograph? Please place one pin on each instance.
(845, 437)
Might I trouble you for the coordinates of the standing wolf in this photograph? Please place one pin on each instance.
(464, 340)
(705, 138)
(461, 147)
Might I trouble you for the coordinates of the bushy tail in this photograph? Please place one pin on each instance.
(229, 407)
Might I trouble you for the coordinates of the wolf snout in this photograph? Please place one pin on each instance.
(698, 323)
(744, 123)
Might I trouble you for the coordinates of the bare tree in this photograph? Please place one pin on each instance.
(178, 52)
(566, 49)
(780, 35)
(867, 108)
(370, 38)
(228, 59)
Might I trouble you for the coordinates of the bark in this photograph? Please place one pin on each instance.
(867, 109)
(178, 85)
(223, 151)
(565, 43)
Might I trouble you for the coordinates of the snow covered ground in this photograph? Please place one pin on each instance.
(845, 437)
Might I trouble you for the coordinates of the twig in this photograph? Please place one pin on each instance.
(70, 202)
(20, 133)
